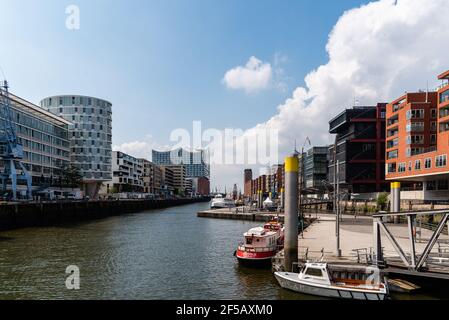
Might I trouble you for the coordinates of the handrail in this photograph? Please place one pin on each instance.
(412, 213)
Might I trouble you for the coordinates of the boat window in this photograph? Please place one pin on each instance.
(314, 272)
(249, 240)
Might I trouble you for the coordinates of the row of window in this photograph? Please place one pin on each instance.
(440, 161)
(70, 101)
(22, 118)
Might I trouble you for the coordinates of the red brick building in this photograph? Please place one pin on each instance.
(247, 180)
(418, 140)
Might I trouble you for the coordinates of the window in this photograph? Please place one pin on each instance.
(415, 139)
(433, 139)
(392, 154)
(443, 184)
(416, 114)
(433, 113)
(418, 165)
(428, 163)
(433, 126)
(314, 272)
(391, 167)
(441, 161)
(402, 167)
(444, 96)
(415, 127)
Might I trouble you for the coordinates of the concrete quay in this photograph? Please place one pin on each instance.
(240, 213)
(25, 215)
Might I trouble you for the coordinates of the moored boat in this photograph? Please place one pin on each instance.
(320, 279)
(261, 244)
(219, 202)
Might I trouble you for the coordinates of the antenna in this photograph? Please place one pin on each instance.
(427, 92)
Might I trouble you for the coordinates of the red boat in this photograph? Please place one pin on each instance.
(261, 244)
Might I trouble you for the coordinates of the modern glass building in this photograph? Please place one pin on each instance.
(90, 136)
(45, 141)
(196, 163)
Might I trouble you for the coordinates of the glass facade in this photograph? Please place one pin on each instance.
(44, 138)
(90, 135)
(196, 163)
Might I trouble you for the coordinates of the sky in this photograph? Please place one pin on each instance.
(287, 66)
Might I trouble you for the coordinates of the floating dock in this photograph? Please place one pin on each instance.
(240, 213)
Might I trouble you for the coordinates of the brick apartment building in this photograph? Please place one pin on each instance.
(418, 142)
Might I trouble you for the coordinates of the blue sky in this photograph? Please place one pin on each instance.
(161, 63)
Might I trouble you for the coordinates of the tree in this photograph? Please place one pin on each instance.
(71, 176)
(382, 200)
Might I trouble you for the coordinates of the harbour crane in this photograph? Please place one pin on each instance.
(11, 151)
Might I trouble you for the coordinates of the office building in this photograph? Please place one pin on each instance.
(360, 140)
(45, 140)
(315, 169)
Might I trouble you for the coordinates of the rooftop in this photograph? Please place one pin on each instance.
(444, 75)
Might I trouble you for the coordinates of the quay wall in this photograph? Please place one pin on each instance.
(232, 215)
(25, 215)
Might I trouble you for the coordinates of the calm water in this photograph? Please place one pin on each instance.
(163, 254)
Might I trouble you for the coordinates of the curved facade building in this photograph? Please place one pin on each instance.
(90, 136)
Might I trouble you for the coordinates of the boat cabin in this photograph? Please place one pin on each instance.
(315, 272)
(260, 237)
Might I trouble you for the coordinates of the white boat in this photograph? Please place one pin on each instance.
(219, 202)
(343, 282)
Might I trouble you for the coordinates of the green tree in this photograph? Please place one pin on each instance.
(71, 177)
(382, 200)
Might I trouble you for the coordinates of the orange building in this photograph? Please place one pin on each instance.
(417, 141)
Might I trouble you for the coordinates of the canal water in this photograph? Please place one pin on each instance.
(160, 254)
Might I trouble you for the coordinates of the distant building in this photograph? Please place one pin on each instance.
(167, 185)
(196, 163)
(152, 177)
(315, 169)
(247, 181)
(360, 137)
(127, 174)
(200, 186)
(90, 136)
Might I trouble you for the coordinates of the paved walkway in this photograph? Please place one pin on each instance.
(356, 233)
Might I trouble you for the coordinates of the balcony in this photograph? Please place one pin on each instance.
(392, 133)
(337, 122)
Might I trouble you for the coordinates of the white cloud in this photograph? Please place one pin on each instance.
(376, 53)
(252, 77)
(139, 149)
